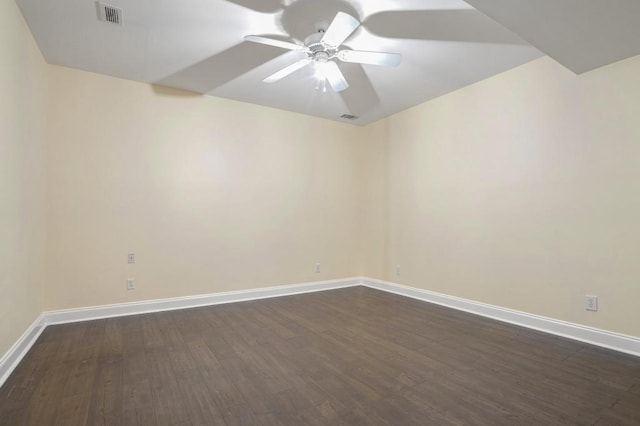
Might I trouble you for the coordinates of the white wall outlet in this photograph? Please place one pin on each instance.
(317, 268)
(397, 269)
(131, 284)
(591, 303)
(131, 258)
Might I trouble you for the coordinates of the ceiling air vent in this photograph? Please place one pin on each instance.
(348, 117)
(108, 13)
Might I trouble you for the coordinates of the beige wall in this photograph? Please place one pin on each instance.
(524, 191)
(374, 195)
(211, 194)
(22, 169)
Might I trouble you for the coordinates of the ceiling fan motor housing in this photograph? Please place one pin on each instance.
(319, 51)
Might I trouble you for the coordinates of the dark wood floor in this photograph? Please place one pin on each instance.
(344, 357)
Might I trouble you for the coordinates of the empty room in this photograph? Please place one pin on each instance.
(319, 212)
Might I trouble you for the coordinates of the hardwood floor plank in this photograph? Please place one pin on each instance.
(73, 410)
(43, 404)
(137, 403)
(239, 415)
(200, 405)
(106, 396)
(112, 342)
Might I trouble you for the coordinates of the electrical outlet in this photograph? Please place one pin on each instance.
(131, 284)
(397, 269)
(591, 303)
(317, 268)
(131, 258)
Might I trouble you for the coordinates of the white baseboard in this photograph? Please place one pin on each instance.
(132, 308)
(594, 336)
(14, 355)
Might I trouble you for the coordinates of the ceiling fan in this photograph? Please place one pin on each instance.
(322, 47)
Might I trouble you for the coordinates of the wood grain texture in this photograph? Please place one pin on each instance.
(342, 357)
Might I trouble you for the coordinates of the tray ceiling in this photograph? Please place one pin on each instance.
(198, 45)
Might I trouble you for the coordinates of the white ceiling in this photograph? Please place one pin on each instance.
(198, 45)
(580, 34)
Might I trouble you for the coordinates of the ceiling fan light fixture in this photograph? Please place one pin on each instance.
(321, 85)
(321, 74)
(321, 70)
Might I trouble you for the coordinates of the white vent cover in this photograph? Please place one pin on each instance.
(109, 13)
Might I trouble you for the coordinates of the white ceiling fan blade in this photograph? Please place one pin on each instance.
(287, 70)
(334, 77)
(274, 42)
(340, 28)
(370, 58)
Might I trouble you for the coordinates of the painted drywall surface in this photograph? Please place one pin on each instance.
(22, 176)
(374, 196)
(523, 191)
(212, 195)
